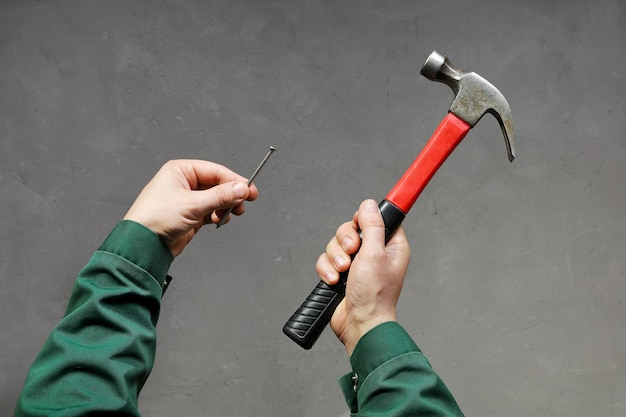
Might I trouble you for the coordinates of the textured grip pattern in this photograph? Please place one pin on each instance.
(307, 323)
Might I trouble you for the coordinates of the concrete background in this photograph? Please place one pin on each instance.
(516, 288)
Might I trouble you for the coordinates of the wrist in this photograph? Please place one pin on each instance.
(353, 332)
(141, 246)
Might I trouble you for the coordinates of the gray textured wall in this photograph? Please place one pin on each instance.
(516, 288)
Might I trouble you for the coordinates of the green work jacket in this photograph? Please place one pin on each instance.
(98, 357)
(392, 378)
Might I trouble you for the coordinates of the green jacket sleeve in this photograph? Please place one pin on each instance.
(99, 355)
(392, 378)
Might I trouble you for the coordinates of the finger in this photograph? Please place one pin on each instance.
(348, 237)
(337, 256)
(206, 174)
(221, 197)
(398, 237)
(398, 246)
(239, 210)
(216, 216)
(203, 175)
(326, 270)
(372, 226)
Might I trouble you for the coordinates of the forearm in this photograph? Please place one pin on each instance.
(393, 378)
(99, 355)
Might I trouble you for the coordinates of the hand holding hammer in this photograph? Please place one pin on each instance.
(474, 96)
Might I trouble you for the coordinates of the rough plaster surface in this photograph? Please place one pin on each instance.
(516, 289)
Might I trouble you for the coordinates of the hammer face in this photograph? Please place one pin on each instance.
(474, 96)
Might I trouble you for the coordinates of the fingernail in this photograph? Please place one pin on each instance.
(339, 261)
(371, 206)
(346, 243)
(241, 190)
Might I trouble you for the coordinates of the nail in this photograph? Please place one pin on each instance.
(241, 190)
(252, 177)
(371, 206)
(339, 261)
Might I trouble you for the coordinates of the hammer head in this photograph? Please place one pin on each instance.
(474, 96)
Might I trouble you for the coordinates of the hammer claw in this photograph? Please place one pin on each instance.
(506, 124)
(473, 96)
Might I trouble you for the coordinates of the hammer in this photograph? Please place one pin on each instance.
(473, 97)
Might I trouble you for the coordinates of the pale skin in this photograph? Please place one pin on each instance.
(188, 194)
(376, 274)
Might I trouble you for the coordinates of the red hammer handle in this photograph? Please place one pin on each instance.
(448, 135)
(307, 323)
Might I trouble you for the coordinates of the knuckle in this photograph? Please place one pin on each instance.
(222, 197)
(331, 247)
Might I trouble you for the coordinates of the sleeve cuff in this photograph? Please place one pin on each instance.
(142, 247)
(381, 344)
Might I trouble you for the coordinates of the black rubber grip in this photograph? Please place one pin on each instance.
(309, 321)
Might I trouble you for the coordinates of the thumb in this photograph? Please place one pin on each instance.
(372, 226)
(222, 196)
